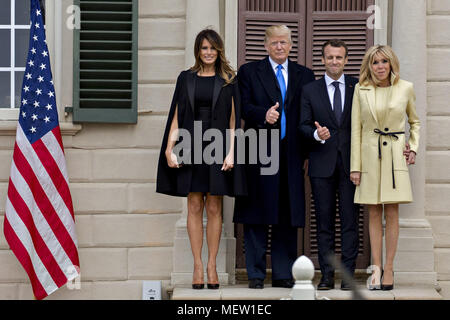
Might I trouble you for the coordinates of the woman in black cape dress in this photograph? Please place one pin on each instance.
(208, 94)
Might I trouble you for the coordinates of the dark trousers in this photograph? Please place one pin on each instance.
(324, 193)
(283, 237)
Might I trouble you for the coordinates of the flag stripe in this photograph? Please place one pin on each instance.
(27, 255)
(55, 150)
(22, 255)
(55, 174)
(46, 183)
(41, 223)
(45, 206)
(15, 204)
(57, 134)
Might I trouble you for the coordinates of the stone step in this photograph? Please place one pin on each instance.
(242, 292)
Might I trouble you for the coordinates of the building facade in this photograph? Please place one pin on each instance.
(127, 233)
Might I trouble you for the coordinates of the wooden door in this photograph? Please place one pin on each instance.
(312, 22)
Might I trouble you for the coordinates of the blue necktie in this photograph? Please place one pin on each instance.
(282, 84)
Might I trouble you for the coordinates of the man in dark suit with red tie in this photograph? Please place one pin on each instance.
(271, 93)
(325, 121)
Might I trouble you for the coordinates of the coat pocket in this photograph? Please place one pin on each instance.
(398, 158)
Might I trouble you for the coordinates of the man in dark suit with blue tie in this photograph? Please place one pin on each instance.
(325, 121)
(271, 93)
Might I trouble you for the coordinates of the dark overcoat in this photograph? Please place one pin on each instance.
(177, 181)
(260, 91)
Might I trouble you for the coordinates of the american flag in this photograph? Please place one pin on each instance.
(39, 225)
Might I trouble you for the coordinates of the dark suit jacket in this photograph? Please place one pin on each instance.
(260, 91)
(177, 181)
(316, 106)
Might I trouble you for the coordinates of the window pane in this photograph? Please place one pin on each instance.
(5, 90)
(18, 87)
(5, 53)
(21, 47)
(23, 12)
(5, 12)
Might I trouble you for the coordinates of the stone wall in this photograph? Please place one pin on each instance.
(438, 137)
(125, 230)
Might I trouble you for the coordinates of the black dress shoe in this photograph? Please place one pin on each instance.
(326, 283)
(198, 286)
(283, 283)
(256, 283)
(345, 286)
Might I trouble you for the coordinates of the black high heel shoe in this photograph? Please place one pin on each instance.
(387, 287)
(198, 286)
(213, 286)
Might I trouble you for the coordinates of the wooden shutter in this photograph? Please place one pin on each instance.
(105, 62)
(256, 15)
(345, 20)
(342, 19)
(313, 22)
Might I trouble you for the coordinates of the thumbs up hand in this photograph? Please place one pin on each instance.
(322, 132)
(272, 114)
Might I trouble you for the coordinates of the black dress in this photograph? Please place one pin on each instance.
(202, 112)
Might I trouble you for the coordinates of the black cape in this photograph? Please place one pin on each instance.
(177, 181)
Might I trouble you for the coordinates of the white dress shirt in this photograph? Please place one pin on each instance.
(284, 71)
(331, 90)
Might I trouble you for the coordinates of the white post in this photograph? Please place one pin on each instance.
(303, 273)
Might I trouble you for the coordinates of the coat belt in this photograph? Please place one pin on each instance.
(393, 135)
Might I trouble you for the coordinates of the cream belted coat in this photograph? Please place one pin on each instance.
(384, 180)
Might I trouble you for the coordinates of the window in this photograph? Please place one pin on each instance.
(105, 62)
(14, 33)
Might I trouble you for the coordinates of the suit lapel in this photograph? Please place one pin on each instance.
(218, 84)
(370, 97)
(191, 88)
(268, 80)
(326, 100)
(349, 89)
(294, 76)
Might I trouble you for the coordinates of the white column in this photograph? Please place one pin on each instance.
(381, 27)
(414, 261)
(199, 15)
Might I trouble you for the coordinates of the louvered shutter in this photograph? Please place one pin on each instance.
(345, 20)
(105, 62)
(256, 15)
(342, 19)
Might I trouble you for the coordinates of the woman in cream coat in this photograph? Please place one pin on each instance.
(379, 168)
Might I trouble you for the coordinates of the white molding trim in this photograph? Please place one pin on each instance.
(8, 128)
(381, 35)
(231, 31)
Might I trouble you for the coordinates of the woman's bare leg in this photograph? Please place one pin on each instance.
(195, 205)
(376, 239)
(213, 233)
(391, 238)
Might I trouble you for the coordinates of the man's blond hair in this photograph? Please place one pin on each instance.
(278, 30)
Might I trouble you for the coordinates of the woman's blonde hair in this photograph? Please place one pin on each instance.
(222, 66)
(367, 77)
